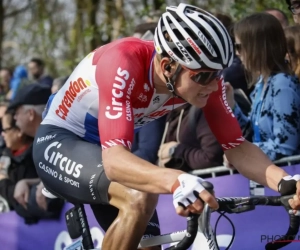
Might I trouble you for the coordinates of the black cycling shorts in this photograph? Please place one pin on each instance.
(72, 169)
(70, 166)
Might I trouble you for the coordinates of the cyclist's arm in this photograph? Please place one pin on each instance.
(129, 170)
(247, 158)
(116, 125)
(251, 162)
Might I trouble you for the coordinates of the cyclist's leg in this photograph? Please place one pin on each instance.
(106, 215)
(73, 168)
(68, 165)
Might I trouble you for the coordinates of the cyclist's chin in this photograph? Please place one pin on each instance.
(199, 101)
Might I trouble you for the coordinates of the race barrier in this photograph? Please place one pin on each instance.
(253, 229)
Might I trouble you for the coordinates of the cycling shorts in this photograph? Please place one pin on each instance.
(72, 168)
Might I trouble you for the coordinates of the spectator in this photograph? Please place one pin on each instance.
(189, 143)
(6, 75)
(19, 80)
(16, 160)
(28, 106)
(292, 34)
(294, 7)
(36, 69)
(280, 16)
(235, 74)
(275, 113)
(145, 30)
(58, 83)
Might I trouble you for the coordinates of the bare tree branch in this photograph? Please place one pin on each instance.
(17, 12)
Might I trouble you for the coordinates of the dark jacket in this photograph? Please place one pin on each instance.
(21, 167)
(235, 75)
(46, 80)
(147, 140)
(198, 147)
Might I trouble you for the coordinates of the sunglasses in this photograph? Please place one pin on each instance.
(295, 7)
(204, 78)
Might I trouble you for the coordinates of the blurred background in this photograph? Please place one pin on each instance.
(64, 31)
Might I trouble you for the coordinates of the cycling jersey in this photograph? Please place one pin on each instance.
(111, 94)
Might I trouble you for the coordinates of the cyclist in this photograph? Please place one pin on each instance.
(82, 148)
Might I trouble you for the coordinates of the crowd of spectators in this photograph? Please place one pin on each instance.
(262, 87)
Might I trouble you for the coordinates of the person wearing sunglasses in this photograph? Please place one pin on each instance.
(89, 124)
(275, 113)
(294, 7)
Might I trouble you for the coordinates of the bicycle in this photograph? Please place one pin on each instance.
(78, 227)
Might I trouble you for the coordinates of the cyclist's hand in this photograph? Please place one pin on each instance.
(21, 193)
(189, 194)
(291, 185)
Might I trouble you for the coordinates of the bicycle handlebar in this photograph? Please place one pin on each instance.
(244, 204)
(190, 235)
(238, 205)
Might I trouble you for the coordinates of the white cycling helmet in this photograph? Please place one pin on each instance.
(194, 38)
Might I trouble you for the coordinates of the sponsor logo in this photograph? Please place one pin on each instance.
(128, 111)
(184, 52)
(70, 94)
(91, 187)
(83, 94)
(158, 49)
(233, 144)
(57, 159)
(156, 100)
(45, 138)
(130, 88)
(114, 111)
(206, 43)
(227, 107)
(142, 97)
(146, 87)
(194, 45)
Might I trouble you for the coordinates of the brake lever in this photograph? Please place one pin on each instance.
(242, 209)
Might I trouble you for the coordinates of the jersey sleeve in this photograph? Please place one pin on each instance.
(116, 75)
(221, 119)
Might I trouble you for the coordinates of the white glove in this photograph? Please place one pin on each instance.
(187, 191)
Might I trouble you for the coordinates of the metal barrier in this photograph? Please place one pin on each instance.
(222, 169)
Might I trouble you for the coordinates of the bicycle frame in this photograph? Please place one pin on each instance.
(202, 233)
(205, 237)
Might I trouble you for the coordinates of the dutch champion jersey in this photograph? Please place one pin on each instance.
(111, 94)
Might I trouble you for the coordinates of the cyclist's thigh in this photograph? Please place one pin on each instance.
(70, 166)
(106, 214)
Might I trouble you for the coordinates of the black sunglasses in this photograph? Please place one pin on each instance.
(204, 78)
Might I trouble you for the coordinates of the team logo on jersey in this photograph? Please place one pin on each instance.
(156, 100)
(225, 103)
(45, 138)
(70, 94)
(115, 109)
(142, 97)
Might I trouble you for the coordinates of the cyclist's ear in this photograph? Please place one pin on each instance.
(168, 66)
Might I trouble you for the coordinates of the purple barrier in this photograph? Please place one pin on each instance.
(253, 229)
